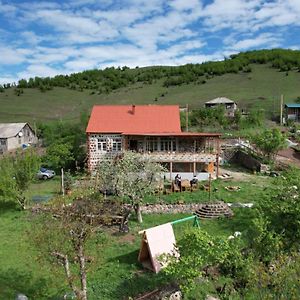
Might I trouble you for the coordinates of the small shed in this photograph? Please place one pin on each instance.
(230, 105)
(155, 242)
(292, 111)
(16, 135)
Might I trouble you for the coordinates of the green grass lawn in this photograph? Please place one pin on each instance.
(50, 187)
(261, 88)
(116, 273)
(250, 191)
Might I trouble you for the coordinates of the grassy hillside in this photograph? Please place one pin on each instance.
(260, 88)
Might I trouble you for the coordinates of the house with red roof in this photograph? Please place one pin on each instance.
(155, 132)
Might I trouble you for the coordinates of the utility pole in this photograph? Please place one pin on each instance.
(281, 110)
(34, 127)
(62, 182)
(209, 187)
(187, 118)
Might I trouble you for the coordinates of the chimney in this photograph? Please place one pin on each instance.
(133, 109)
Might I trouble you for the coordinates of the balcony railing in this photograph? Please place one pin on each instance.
(180, 157)
(160, 157)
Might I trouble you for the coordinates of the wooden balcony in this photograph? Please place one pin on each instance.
(161, 157)
(180, 157)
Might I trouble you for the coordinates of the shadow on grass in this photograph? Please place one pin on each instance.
(139, 283)
(8, 206)
(130, 258)
(13, 282)
(136, 280)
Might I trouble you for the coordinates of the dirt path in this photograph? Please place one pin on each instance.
(238, 176)
(289, 156)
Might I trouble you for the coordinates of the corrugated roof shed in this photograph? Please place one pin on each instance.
(10, 129)
(292, 105)
(220, 100)
(134, 118)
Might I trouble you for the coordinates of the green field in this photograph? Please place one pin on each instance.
(116, 273)
(260, 88)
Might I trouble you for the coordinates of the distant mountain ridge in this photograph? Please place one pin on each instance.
(253, 78)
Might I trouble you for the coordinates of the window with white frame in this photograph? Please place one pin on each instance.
(116, 145)
(102, 144)
(109, 143)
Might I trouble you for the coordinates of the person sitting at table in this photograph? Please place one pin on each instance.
(194, 181)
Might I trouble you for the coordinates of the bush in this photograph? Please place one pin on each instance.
(269, 142)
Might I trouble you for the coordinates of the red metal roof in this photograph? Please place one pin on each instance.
(181, 134)
(140, 119)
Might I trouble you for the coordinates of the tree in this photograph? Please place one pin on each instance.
(65, 143)
(61, 233)
(256, 117)
(200, 252)
(59, 156)
(281, 208)
(237, 118)
(17, 172)
(263, 263)
(132, 176)
(22, 83)
(270, 141)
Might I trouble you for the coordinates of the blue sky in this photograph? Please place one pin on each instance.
(45, 38)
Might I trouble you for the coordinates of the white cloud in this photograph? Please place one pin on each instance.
(66, 22)
(81, 34)
(7, 8)
(11, 56)
(264, 39)
(7, 79)
(80, 65)
(184, 4)
(39, 70)
(31, 38)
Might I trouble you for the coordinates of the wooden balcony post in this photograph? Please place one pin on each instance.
(218, 156)
(125, 143)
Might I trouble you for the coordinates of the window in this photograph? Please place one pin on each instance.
(102, 145)
(151, 144)
(2, 142)
(168, 145)
(109, 143)
(116, 146)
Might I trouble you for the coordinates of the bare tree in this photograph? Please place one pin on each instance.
(62, 232)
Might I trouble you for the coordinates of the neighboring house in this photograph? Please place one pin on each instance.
(292, 111)
(230, 106)
(16, 135)
(154, 131)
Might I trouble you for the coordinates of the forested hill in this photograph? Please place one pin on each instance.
(254, 78)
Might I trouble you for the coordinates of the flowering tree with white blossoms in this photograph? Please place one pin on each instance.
(130, 175)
